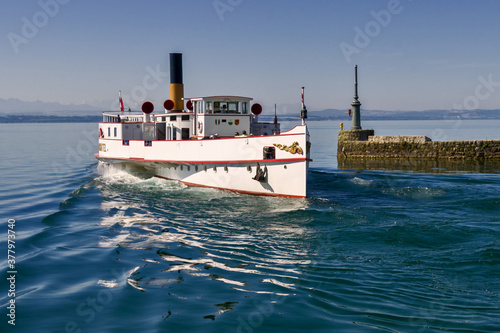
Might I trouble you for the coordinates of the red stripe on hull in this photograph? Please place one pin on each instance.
(136, 159)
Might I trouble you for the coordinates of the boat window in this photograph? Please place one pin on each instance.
(269, 153)
(244, 107)
(232, 107)
(199, 108)
(225, 107)
(185, 117)
(220, 107)
(116, 131)
(173, 118)
(208, 107)
(109, 132)
(185, 134)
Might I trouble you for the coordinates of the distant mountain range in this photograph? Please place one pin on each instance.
(14, 106)
(335, 114)
(15, 110)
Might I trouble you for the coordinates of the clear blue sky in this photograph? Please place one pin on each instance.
(426, 54)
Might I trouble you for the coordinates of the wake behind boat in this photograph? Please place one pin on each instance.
(214, 141)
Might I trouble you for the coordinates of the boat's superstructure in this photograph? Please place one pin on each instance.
(216, 142)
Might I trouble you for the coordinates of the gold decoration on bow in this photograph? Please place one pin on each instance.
(293, 148)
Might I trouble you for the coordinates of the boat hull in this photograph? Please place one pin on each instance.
(282, 179)
(230, 164)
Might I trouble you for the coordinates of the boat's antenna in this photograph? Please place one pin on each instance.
(303, 112)
(275, 120)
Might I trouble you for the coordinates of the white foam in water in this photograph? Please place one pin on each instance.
(108, 284)
(418, 192)
(119, 173)
(360, 181)
(123, 174)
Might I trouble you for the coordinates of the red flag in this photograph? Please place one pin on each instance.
(121, 101)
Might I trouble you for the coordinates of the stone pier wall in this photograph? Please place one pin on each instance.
(362, 144)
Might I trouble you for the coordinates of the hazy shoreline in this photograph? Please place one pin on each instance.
(324, 115)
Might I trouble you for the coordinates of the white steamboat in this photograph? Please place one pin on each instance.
(216, 142)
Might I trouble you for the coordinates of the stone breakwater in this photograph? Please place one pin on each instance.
(363, 144)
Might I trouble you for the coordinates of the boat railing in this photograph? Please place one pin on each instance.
(120, 117)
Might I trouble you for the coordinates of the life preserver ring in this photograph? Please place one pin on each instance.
(200, 127)
(101, 133)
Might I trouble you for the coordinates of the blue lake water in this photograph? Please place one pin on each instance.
(102, 250)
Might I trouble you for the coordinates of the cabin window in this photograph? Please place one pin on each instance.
(185, 117)
(174, 133)
(269, 153)
(185, 133)
(109, 132)
(116, 132)
(173, 118)
(232, 107)
(198, 107)
(220, 107)
(208, 107)
(226, 107)
(244, 107)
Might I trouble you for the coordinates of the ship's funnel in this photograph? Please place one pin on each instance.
(176, 85)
